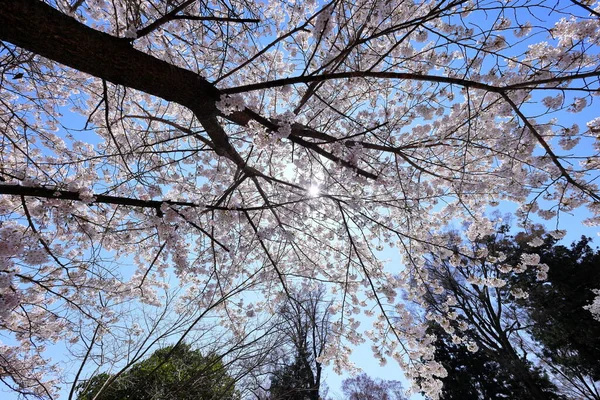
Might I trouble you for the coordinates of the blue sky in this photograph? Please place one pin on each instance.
(362, 356)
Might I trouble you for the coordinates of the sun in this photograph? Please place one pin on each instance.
(313, 191)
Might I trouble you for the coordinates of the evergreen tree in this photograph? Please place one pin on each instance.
(293, 382)
(474, 305)
(566, 338)
(177, 373)
(477, 375)
(568, 334)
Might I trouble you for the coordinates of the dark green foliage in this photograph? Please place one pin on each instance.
(480, 375)
(293, 382)
(494, 320)
(569, 334)
(180, 373)
(566, 335)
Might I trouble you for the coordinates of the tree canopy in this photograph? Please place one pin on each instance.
(557, 308)
(170, 168)
(177, 373)
(363, 387)
(534, 336)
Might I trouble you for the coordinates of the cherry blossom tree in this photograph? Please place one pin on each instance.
(363, 387)
(236, 148)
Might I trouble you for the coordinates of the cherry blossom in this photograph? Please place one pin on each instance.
(594, 308)
(180, 156)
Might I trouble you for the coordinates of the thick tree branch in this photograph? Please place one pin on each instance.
(557, 79)
(63, 39)
(586, 7)
(41, 29)
(67, 41)
(28, 191)
(410, 76)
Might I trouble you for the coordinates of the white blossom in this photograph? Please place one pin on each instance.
(594, 308)
(169, 164)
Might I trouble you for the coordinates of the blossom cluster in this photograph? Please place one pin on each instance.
(407, 119)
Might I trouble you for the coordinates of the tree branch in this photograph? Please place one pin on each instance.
(362, 74)
(63, 39)
(28, 191)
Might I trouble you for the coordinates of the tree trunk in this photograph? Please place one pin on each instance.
(521, 371)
